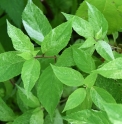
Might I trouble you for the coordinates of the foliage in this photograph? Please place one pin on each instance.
(61, 72)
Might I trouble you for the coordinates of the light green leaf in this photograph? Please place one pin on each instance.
(24, 118)
(66, 58)
(87, 117)
(30, 73)
(28, 98)
(75, 99)
(88, 43)
(37, 116)
(108, 8)
(112, 69)
(26, 55)
(97, 20)
(82, 27)
(68, 76)
(6, 113)
(57, 39)
(49, 90)
(83, 60)
(10, 65)
(35, 22)
(89, 81)
(114, 112)
(104, 50)
(99, 96)
(20, 41)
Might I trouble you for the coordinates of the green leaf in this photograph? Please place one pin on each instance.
(49, 90)
(14, 9)
(6, 113)
(10, 65)
(24, 118)
(66, 58)
(90, 80)
(82, 27)
(99, 96)
(97, 20)
(112, 69)
(104, 50)
(37, 116)
(88, 43)
(35, 22)
(108, 8)
(75, 99)
(112, 86)
(20, 41)
(114, 112)
(87, 117)
(68, 76)
(57, 39)
(28, 98)
(83, 60)
(30, 73)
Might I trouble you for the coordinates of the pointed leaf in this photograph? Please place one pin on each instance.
(75, 99)
(97, 20)
(90, 80)
(35, 22)
(88, 43)
(104, 50)
(82, 27)
(68, 76)
(99, 96)
(112, 69)
(57, 39)
(6, 113)
(83, 60)
(10, 65)
(30, 73)
(49, 90)
(28, 98)
(21, 42)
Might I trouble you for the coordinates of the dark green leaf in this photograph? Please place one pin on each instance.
(57, 39)
(10, 65)
(68, 76)
(14, 9)
(35, 22)
(49, 90)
